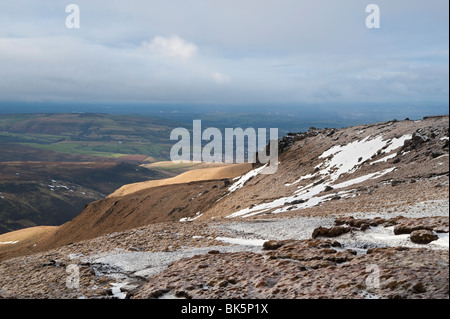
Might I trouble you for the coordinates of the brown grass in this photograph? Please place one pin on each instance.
(26, 238)
(203, 174)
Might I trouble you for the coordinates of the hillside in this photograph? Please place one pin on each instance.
(84, 135)
(52, 193)
(342, 200)
(53, 165)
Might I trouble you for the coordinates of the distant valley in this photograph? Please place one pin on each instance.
(52, 165)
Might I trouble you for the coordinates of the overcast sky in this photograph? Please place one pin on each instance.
(217, 51)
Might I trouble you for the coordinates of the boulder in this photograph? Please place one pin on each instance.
(423, 236)
(275, 244)
(408, 228)
(330, 232)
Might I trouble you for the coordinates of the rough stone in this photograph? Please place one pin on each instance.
(423, 236)
(330, 232)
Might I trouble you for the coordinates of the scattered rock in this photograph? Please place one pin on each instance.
(436, 154)
(402, 225)
(51, 263)
(275, 244)
(295, 202)
(423, 236)
(223, 283)
(397, 182)
(408, 228)
(308, 269)
(419, 288)
(330, 232)
(182, 294)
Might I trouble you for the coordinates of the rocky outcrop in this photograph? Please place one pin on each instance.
(408, 225)
(402, 225)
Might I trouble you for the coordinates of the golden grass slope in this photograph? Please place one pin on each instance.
(203, 174)
(16, 242)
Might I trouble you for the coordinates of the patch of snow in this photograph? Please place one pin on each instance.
(363, 178)
(368, 295)
(8, 242)
(170, 296)
(339, 160)
(445, 155)
(242, 241)
(117, 293)
(386, 234)
(308, 194)
(404, 153)
(384, 159)
(124, 265)
(189, 219)
(345, 158)
(245, 178)
(397, 143)
(443, 241)
(417, 210)
(297, 228)
(301, 179)
(384, 237)
(75, 256)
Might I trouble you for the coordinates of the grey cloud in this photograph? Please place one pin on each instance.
(224, 51)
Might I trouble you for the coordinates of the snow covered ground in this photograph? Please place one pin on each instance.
(308, 196)
(337, 160)
(240, 181)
